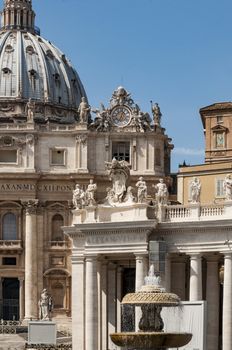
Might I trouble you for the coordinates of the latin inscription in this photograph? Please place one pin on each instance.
(7, 187)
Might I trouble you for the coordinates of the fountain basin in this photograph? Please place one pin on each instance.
(150, 340)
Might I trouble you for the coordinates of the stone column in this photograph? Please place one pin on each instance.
(139, 282)
(167, 278)
(21, 298)
(104, 311)
(227, 304)
(195, 283)
(212, 297)
(111, 302)
(1, 298)
(119, 297)
(91, 303)
(78, 302)
(31, 297)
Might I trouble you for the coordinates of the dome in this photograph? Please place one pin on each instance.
(33, 68)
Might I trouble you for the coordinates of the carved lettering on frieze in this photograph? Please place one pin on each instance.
(27, 187)
(116, 238)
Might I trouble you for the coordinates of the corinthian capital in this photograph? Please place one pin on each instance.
(31, 206)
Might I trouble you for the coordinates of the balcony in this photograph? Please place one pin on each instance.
(59, 245)
(11, 246)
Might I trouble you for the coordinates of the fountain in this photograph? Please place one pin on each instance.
(152, 297)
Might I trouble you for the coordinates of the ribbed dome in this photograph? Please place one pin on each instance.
(33, 68)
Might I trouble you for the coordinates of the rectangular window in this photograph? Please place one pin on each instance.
(220, 188)
(8, 261)
(219, 119)
(57, 157)
(121, 151)
(8, 156)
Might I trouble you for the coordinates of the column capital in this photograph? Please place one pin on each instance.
(21, 279)
(31, 206)
(76, 260)
(91, 257)
(140, 256)
(227, 255)
(195, 256)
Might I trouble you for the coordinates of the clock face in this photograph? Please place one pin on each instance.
(121, 116)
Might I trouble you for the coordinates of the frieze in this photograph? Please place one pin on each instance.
(116, 238)
(21, 187)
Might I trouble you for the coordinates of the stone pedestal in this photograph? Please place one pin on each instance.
(42, 332)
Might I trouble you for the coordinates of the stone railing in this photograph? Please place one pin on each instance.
(211, 210)
(195, 212)
(48, 347)
(9, 245)
(9, 327)
(59, 244)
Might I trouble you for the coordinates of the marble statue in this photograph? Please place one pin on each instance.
(129, 198)
(195, 190)
(156, 114)
(142, 190)
(91, 189)
(45, 306)
(228, 187)
(140, 120)
(101, 121)
(161, 192)
(118, 173)
(79, 198)
(120, 96)
(83, 110)
(30, 110)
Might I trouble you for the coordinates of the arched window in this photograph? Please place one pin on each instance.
(9, 227)
(57, 223)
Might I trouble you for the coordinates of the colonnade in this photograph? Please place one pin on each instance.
(96, 311)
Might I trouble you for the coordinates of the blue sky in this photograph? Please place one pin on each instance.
(175, 52)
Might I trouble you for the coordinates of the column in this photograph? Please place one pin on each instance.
(111, 303)
(227, 304)
(78, 300)
(195, 284)
(1, 298)
(212, 297)
(139, 282)
(119, 297)
(91, 302)
(167, 278)
(21, 298)
(104, 311)
(31, 297)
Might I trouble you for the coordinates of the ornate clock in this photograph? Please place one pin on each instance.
(121, 116)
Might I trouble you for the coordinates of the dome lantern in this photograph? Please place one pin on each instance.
(18, 14)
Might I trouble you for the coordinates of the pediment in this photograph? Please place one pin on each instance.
(220, 128)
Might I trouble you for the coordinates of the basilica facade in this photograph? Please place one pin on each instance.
(49, 144)
(86, 199)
